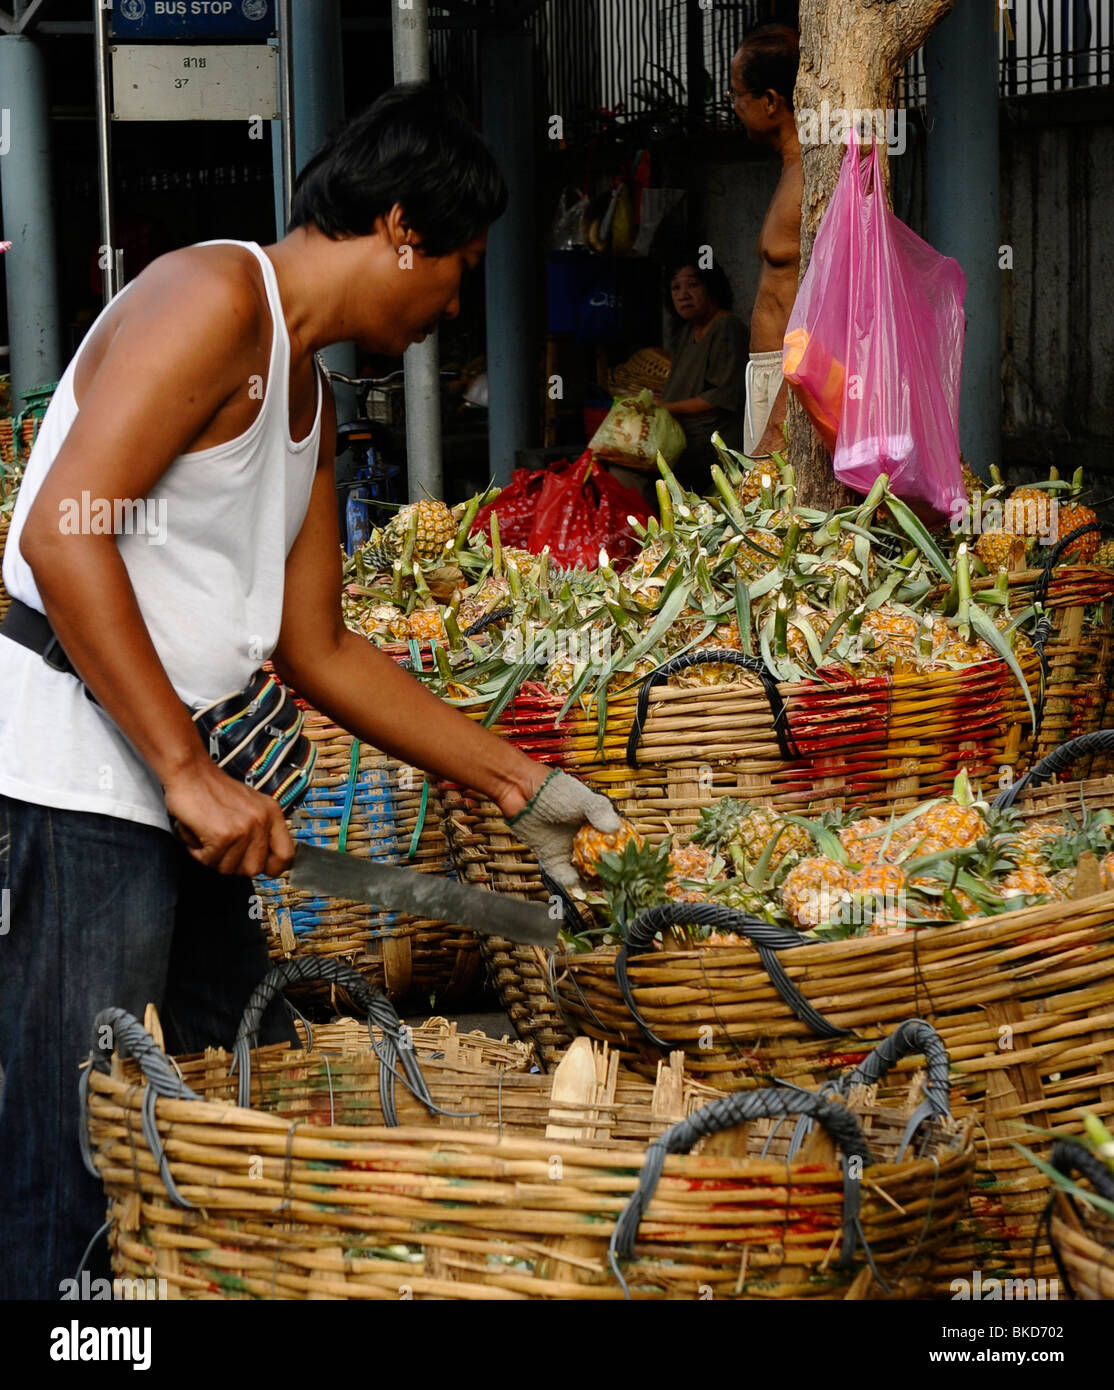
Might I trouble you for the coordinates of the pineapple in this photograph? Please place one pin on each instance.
(861, 850)
(878, 892)
(1030, 883)
(691, 862)
(384, 620)
(589, 844)
(1069, 517)
(954, 823)
(947, 825)
(1104, 555)
(754, 828)
(750, 489)
(1029, 843)
(759, 552)
(436, 528)
(426, 625)
(1028, 512)
(1000, 550)
(815, 890)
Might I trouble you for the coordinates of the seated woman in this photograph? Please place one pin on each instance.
(706, 387)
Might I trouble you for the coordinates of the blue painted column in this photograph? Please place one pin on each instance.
(512, 249)
(29, 268)
(962, 200)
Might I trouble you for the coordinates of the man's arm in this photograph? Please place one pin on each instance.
(365, 691)
(694, 405)
(169, 367)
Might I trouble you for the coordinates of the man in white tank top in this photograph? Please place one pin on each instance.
(194, 406)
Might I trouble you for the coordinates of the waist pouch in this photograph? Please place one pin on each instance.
(255, 735)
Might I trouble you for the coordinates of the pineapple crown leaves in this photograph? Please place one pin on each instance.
(634, 879)
(827, 841)
(718, 823)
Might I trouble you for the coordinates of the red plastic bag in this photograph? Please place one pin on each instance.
(874, 345)
(514, 507)
(582, 511)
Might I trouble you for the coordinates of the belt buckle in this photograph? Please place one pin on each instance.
(55, 657)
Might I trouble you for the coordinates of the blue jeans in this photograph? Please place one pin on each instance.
(100, 912)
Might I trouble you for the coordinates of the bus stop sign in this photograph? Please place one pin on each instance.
(215, 20)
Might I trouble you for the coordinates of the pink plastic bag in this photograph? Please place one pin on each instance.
(874, 345)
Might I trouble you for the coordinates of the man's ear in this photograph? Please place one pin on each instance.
(398, 227)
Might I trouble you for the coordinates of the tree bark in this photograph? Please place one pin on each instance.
(852, 53)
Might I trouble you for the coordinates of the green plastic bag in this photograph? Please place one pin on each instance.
(635, 431)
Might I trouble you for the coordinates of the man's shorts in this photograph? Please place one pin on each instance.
(763, 383)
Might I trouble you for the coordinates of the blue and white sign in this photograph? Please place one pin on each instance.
(193, 19)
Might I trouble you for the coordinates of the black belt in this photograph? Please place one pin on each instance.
(32, 629)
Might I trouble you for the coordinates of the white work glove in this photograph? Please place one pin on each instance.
(548, 822)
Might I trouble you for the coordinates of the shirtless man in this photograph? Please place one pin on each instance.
(763, 74)
(197, 388)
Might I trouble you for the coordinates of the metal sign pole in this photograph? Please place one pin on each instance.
(286, 87)
(410, 37)
(104, 166)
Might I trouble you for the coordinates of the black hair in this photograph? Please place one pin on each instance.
(770, 57)
(713, 278)
(412, 146)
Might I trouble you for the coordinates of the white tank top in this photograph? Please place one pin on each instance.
(205, 555)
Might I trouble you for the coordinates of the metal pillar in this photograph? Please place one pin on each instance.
(508, 122)
(25, 188)
(410, 37)
(315, 54)
(962, 219)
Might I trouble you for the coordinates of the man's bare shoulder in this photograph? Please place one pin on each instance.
(217, 284)
(202, 301)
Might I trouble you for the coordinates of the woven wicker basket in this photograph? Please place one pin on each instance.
(1079, 651)
(1082, 1237)
(394, 816)
(5, 597)
(306, 1195)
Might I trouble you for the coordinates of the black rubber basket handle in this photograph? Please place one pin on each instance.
(726, 1113)
(497, 615)
(1040, 591)
(1059, 760)
(912, 1036)
(392, 1049)
(713, 658)
(768, 938)
(117, 1029)
(1073, 1160)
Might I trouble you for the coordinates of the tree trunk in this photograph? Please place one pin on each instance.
(852, 53)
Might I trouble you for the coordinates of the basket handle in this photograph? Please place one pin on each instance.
(912, 1036)
(1070, 1158)
(481, 624)
(392, 1049)
(725, 1113)
(766, 936)
(1040, 591)
(1059, 760)
(117, 1029)
(713, 658)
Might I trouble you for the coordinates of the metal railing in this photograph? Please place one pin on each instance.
(630, 63)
